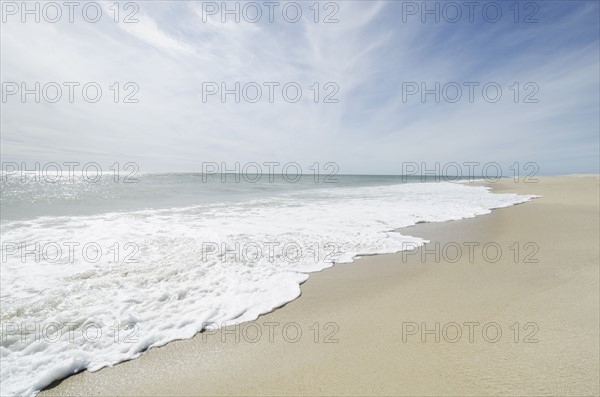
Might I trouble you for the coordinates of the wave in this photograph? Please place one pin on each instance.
(105, 288)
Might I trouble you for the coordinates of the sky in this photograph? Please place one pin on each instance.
(371, 60)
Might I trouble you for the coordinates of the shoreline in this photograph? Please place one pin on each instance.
(366, 312)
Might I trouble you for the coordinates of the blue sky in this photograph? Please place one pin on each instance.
(372, 53)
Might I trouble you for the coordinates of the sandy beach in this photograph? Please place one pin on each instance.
(513, 311)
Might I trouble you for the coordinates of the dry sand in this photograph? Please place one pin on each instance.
(371, 305)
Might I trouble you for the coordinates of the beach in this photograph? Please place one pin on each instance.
(504, 304)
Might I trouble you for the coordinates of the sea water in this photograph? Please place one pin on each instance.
(93, 274)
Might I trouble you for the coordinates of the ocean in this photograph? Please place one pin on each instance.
(96, 272)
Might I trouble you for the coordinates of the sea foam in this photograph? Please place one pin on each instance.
(191, 266)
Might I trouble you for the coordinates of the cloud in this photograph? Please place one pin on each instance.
(171, 53)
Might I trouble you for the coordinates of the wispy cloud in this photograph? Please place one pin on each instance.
(368, 54)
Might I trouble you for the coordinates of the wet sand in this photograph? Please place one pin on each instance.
(528, 317)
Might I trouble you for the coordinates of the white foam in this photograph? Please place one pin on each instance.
(173, 291)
